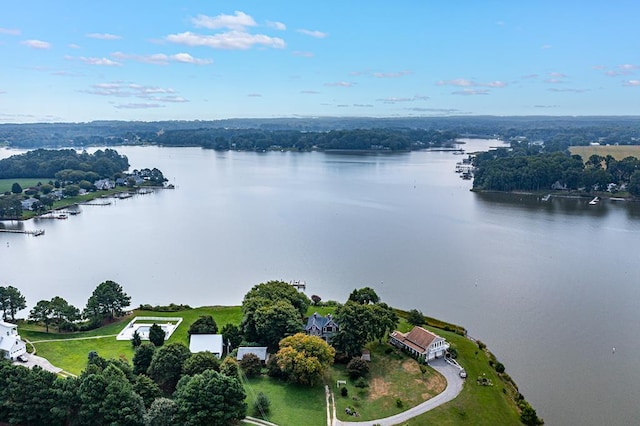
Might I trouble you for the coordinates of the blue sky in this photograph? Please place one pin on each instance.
(202, 60)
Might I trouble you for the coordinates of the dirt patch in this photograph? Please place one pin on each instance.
(434, 384)
(411, 367)
(378, 388)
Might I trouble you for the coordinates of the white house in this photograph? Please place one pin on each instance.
(10, 341)
(420, 342)
(206, 342)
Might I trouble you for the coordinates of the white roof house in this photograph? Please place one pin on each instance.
(10, 341)
(259, 351)
(206, 342)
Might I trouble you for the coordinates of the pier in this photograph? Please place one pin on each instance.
(35, 232)
(299, 284)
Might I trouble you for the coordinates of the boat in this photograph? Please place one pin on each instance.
(546, 197)
(61, 216)
(595, 201)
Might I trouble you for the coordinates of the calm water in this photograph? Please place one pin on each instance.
(550, 287)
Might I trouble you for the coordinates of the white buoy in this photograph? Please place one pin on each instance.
(614, 349)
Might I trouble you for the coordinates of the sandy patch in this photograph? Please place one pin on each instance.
(434, 384)
(411, 367)
(378, 388)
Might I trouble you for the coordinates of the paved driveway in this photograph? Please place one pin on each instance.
(33, 360)
(454, 387)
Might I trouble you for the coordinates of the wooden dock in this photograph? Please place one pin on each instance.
(35, 232)
(298, 284)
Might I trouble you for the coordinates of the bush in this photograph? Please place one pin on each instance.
(499, 367)
(481, 345)
(344, 391)
(273, 370)
(261, 406)
(357, 367)
(388, 351)
(251, 365)
(361, 383)
(415, 317)
(156, 335)
(229, 367)
(453, 353)
(399, 403)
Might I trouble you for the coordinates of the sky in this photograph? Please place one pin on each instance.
(78, 61)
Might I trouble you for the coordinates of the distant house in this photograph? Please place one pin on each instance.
(104, 184)
(557, 185)
(10, 342)
(324, 327)
(28, 203)
(259, 351)
(420, 342)
(206, 343)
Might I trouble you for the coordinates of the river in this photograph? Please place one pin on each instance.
(550, 287)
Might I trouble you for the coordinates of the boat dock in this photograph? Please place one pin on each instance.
(299, 284)
(595, 201)
(35, 232)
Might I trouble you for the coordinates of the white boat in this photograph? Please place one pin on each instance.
(595, 201)
(546, 197)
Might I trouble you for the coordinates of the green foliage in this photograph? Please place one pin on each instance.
(365, 296)
(11, 301)
(16, 188)
(171, 307)
(361, 383)
(200, 362)
(231, 335)
(204, 325)
(357, 367)
(415, 317)
(166, 365)
(634, 184)
(41, 313)
(316, 299)
(156, 335)
(528, 415)
(499, 367)
(344, 392)
(360, 324)
(162, 412)
(304, 359)
(251, 365)
(261, 406)
(210, 399)
(399, 403)
(136, 340)
(11, 207)
(229, 367)
(142, 357)
(275, 321)
(279, 290)
(108, 300)
(147, 389)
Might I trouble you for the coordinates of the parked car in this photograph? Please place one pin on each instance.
(22, 358)
(463, 373)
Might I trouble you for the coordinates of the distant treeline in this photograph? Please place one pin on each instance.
(259, 140)
(527, 167)
(43, 163)
(558, 132)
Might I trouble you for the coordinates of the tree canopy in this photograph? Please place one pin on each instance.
(108, 300)
(360, 324)
(303, 358)
(11, 301)
(203, 325)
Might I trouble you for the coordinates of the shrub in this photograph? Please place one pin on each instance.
(344, 391)
(156, 335)
(388, 351)
(251, 365)
(415, 317)
(399, 403)
(361, 383)
(136, 340)
(481, 345)
(261, 406)
(453, 353)
(357, 367)
(229, 367)
(499, 367)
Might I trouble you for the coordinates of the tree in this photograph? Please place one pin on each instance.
(162, 412)
(304, 359)
(136, 341)
(166, 366)
(63, 312)
(261, 406)
(107, 300)
(210, 399)
(364, 296)
(147, 389)
(275, 321)
(199, 362)
(142, 358)
(42, 313)
(231, 335)
(156, 335)
(11, 301)
(229, 367)
(316, 299)
(203, 325)
(16, 188)
(360, 324)
(634, 184)
(279, 290)
(415, 317)
(251, 365)
(357, 367)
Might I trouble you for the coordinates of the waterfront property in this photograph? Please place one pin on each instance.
(10, 342)
(206, 343)
(420, 342)
(143, 324)
(324, 327)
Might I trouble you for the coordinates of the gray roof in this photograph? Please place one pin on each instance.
(206, 342)
(259, 351)
(318, 320)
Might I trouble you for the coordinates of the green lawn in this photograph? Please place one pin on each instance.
(291, 405)
(5, 184)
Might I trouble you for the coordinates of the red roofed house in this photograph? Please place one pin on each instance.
(420, 342)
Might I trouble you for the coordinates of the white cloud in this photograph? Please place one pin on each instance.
(460, 82)
(496, 83)
(185, 58)
(103, 36)
(554, 81)
(36, 44)
(161, 58)
(302, 54)
(340, 84)
(254, 95)
(421, 97)
(309, 92)
(74, 46)
(628, 67)
(276, 25)
(546, 46)
(2, 92)
(393, 100)
(138, 106)
(99, 61)
(232, 40)
(238, 22)
(314, 34)
(10, 31)
(558, 75)
(391, 74)
(632, 83)
(363, 105)
(471, 92)
(566, 89)
(133, 90)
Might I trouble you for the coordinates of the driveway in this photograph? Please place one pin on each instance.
(454, 387)
(33, 360)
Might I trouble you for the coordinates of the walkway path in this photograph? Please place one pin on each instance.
(454, 387)
(74, 338)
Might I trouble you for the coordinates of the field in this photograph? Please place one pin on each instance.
(5, 184)
(616, 151)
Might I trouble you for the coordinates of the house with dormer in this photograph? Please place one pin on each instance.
(421, 343)
(324, 327)
(11, 344)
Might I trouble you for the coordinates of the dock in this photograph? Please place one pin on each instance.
(595, 201)
(298, 284)
(35, 232)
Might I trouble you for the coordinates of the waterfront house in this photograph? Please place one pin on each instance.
(11, 345)
(206, 343)
(421, 343)
(29, 203)
(324, 327)
(104, 184)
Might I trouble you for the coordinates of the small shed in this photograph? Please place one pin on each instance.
(206, 342)
(259, 351)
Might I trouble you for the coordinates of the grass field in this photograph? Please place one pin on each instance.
(616, 151)
(5, 184)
